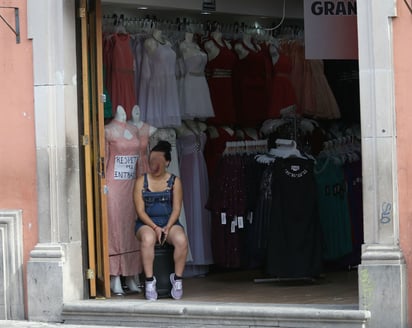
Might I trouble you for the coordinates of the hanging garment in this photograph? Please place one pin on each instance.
(122, 148)
(333, 209)
(220, 80)
(193, 88)
(215, 146)
(252, 78)
(158, 95)
(195, 190)
(227, 204)
(121, 87)
(283, 93)
(294, 247)
(143, 161)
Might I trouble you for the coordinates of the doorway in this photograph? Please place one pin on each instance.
(216, 275)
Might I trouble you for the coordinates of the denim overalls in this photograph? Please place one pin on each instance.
(158, 205)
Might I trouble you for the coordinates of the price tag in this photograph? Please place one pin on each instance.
(233, 226)
(240, 222)
(250, 217)
(223, 218)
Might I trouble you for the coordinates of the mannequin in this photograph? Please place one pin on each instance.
(273, 46)
(211, 48)
(121, 145)
(241, 51)
(217, 36)
(187, 47)
(152, 43)
(190, 127)
(144, 131)
(247, 41)
(243, 47)
(193, 89)
(137, 122)
(158, 94)
(188, 37)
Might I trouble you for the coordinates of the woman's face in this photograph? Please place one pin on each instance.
(157, 163)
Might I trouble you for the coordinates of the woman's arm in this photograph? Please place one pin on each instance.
(177, 202)
(139, 203)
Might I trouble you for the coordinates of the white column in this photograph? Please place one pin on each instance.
(382, 273)
(54, 271)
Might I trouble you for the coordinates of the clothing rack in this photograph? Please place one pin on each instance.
(194, 24)
(245, 147)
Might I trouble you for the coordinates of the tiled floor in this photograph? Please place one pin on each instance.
(240, 286)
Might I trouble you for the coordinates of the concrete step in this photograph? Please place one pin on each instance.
(171, 313)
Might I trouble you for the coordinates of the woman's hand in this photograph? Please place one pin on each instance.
(165, 233)
(158, 231)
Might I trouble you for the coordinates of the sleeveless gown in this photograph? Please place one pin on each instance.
(122, 147)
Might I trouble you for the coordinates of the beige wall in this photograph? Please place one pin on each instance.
(403, 96)
(17, 142)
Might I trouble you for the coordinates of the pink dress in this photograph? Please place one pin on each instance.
(122, 148)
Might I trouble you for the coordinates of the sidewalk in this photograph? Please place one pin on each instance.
(33, 324)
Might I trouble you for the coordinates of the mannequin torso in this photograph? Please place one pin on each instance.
(137, 122)
(212, 46)
(189, 48)
(152, 43)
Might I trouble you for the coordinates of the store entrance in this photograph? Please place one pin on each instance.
(337, 285)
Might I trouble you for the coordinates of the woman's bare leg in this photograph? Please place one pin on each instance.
(147, 239)
(178, 239)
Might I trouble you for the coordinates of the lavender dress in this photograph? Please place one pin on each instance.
(195, 192)
(158, 95)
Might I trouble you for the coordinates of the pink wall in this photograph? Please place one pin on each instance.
(17, 136)
(403, 91)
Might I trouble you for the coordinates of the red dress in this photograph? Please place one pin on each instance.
(219, 77)
(214, 148)
(252, 83)
(122, 90)
(283, 92)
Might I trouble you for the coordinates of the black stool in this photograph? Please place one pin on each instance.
(163, 266)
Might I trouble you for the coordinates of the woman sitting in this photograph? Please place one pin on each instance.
(158, 199)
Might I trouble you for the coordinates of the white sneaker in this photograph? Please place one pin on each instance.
(150, 290)
(177, 287)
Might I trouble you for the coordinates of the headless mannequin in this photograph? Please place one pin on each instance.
(115, 281)
(152, 43)
(243, 51)
(273, 45)
(187, 47)
(188, 37)
(137, 122)
(120, 114)
(191, 127)
(211, 48)
(247, 40)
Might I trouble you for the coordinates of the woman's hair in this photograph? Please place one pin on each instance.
(165, 147)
